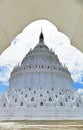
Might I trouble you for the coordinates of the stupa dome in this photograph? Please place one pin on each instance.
(40, 68)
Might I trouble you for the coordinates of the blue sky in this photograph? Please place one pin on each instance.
(59, 42)
(77, 85)
(3, 87)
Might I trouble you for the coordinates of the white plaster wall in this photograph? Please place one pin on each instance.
(41, 78)
(42, 113)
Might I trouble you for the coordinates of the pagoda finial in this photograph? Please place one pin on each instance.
(41, 37)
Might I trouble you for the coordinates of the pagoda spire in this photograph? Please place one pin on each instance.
(41, 37)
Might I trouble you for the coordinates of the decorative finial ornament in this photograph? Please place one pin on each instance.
(41, 37)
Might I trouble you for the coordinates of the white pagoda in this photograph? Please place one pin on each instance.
(40, 88)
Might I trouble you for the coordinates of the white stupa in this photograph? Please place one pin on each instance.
(41, 88)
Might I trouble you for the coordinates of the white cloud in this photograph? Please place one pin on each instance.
(73, 59)
(59, 42)
(80, 91)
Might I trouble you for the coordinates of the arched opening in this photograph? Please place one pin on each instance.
(50, 99)
(32, 99)
(41, 95)
(59, 93)
(42, 66)
(30, 67)
(4, 105)
(77, 104)
(34, 92)
(66, 99)
(22, 92)
(47, 91)
(29, 89)
(16, 100)
(69, 97)
(35, 29)
(56, 96)
(61, 104)
(21, 104)
(25, 95)
(41, 103)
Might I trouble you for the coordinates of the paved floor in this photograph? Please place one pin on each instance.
(41, 125)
